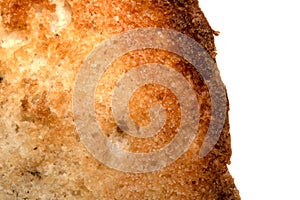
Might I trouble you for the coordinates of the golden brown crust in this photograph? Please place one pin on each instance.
(40, 56)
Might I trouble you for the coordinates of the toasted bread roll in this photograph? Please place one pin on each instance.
(56, 83)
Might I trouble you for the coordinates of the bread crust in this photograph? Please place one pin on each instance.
(42, 47)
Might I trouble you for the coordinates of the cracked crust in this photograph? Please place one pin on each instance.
(42, 46)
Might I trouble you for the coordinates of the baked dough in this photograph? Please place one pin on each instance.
(43, 45)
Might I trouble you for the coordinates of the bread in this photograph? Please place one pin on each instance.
(47, 152)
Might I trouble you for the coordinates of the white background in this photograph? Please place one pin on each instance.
(258, 56)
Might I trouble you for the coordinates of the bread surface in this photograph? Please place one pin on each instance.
(43, 45)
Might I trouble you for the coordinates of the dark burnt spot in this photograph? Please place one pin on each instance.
(35, 173)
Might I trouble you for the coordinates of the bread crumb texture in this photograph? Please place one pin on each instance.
(42, 46)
